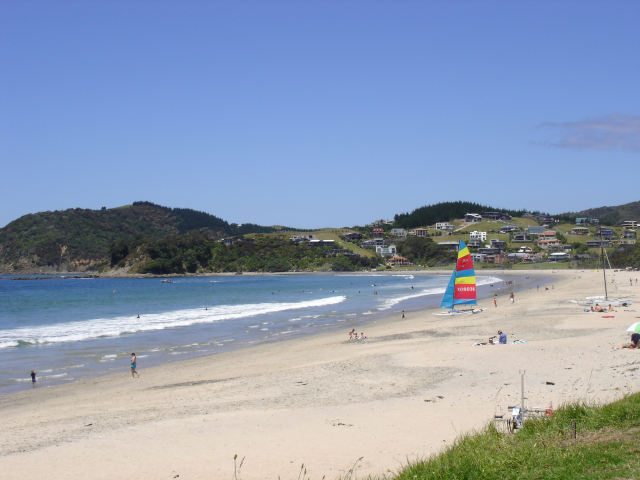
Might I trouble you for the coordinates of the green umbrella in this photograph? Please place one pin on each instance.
(635, 328)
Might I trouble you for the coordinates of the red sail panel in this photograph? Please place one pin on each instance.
(465, 292)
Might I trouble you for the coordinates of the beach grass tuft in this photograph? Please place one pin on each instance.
(580, 441)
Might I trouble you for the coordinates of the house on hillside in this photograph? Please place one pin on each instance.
(525, 249)
(547, 235)
(521, 237)
(478, 257)
(351, 236)
(497, 258)
(598, 243)
(495, 243)
(378, 231)
(631, 224)
(398, 261)
(627, 241)
(420, 232)
(495, 216)
(379, 223)
(302, 238)
(544, 244)
(449, 245)
(472, 218)
(489, 250)
(536, 230)
(559, 256)
(399, 232)
(446, 226)
(604, 233)
(509, 229)
(376, 242)
(629, 234)
(321, 243)
(475, 235)
(389, 251)
(580, 231)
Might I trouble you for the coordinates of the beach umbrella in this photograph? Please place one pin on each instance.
(635, 328)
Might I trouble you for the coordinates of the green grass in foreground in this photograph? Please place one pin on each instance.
(607, 446)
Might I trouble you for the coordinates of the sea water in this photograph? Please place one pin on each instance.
(73, 328)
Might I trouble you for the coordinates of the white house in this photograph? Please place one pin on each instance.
(478, 257)
(302, 238)
(559, 256)
(420, 232)
(399, 232)
(475, 235)
(472, 218)
(630, 224)
(444, 226)
(389, 251)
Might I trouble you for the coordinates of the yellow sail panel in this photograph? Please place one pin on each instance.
(466, 280)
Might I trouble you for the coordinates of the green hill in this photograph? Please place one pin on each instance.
(75, 239)
(607, 215)
(445, 212)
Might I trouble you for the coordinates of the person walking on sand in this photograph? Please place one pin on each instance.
(133, 366)
(33, 378)
(402, 313)
(495, 300)
(511, 297)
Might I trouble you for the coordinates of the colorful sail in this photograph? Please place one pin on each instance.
(447, 298)
(462, 285)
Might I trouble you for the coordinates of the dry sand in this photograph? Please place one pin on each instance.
(404, 393)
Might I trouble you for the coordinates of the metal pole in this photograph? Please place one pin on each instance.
(522, 409)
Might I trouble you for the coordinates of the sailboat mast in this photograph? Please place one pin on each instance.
(604, 269)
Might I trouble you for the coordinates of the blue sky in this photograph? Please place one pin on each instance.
(318, 113)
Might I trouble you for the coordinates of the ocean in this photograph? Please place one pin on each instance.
(68, 329)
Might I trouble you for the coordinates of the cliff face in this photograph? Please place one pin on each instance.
(75, 240)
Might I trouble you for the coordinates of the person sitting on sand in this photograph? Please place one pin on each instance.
(635, 341)
(352, 333)
(503, 338)
(611, 308)
(362, 336)
(599, 308)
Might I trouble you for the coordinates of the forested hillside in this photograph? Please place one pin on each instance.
(74, 239)
(608, 215)
(194, 252)
(445, 212)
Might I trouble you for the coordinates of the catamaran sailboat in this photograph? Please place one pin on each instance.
(462, 286)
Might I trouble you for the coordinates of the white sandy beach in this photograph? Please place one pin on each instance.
(325, 401)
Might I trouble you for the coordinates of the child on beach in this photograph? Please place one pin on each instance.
(352, 333)
(511, 297)
(133, 366)
(33, 377)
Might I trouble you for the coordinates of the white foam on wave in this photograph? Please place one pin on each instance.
(113, 327)
(432, 291)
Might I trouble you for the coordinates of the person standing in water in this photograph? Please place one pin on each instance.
(133, 366)
(33, 378)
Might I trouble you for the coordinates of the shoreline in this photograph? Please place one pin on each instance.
(322, 400)
(361, 322)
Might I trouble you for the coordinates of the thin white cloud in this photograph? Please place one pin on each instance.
(613, 132)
